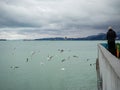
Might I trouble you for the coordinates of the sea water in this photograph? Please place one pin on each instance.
(48, 65)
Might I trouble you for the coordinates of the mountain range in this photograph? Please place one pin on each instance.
(100, 36)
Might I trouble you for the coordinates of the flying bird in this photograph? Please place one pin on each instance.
(63, 60)
(49, 57)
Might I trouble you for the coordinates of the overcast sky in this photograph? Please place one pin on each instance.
(27, 19)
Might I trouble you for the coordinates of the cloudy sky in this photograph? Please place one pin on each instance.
(27, 19)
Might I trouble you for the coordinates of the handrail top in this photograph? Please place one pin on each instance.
(112, 60)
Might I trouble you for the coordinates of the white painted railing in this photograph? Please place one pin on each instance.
(109, 68)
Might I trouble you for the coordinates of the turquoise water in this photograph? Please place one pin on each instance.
(48, 65)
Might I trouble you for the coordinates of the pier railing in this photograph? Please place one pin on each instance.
(108, 70)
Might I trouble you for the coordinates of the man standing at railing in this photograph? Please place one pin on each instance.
(111, 36)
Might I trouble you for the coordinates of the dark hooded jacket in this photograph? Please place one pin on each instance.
(111, 35)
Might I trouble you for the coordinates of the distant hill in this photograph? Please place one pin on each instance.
(3, 40)
(118, 35)
(101, 36)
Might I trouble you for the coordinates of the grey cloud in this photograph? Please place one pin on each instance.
(59, 17)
